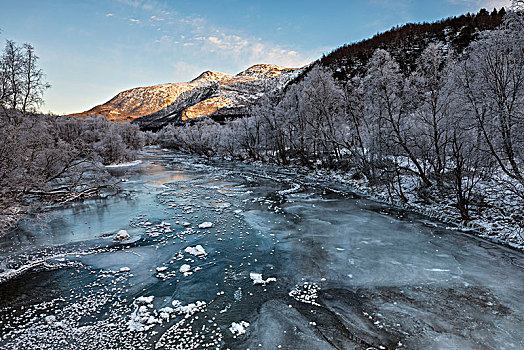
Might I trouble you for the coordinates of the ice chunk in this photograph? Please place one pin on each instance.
(161, 269)
(121, 235)
(141, 319)
(125, 269)
(167, 309)
(50, 319)
(238, 328)
(145, 300)
(185, 268)
(197, 251)
(186, 224)
(258, 279)
(189, 309)
(206, 224)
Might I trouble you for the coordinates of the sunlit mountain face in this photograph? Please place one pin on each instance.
(205, 95)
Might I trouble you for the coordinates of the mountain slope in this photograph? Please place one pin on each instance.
(230, 96)
(209, 93)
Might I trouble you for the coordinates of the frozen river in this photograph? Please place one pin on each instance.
(284, 262)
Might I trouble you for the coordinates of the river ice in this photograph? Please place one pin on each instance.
(205, 240)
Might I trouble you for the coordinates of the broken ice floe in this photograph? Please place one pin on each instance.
(238, 328)
(306, 293)
(197, 251)
(189, 309)
(205, 225)
(258, 279)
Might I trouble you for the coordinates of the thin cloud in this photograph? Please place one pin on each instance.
(250, 49)
(483, 3)
(197, 36)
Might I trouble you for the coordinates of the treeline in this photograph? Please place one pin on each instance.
(452, 124)
(407, 42)
(50, 158)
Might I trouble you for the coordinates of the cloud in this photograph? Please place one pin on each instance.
(250, 50)
(109, 15)
(477, 4)
(198, 38)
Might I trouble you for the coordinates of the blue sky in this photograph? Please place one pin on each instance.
(92, 49)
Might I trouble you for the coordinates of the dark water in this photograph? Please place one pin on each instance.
(349, 273)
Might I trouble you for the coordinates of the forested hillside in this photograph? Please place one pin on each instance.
(407, 42)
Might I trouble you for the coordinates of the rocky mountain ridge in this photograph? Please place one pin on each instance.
(211, 93)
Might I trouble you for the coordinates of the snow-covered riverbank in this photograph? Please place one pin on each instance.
(501, 220)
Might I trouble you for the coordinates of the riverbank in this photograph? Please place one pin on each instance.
(500, 220)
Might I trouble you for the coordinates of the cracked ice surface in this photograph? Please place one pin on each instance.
(345, 272)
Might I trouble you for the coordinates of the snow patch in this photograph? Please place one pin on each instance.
(121, 235)
(122, 165)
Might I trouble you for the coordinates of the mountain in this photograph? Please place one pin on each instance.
(211, 93)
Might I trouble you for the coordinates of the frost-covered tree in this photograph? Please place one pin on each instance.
(321, 106)
(45, 157)
(491, 82)
(390, 104)
(434, 96)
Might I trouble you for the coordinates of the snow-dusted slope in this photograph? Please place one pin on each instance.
(209, 93)
(228, 96)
